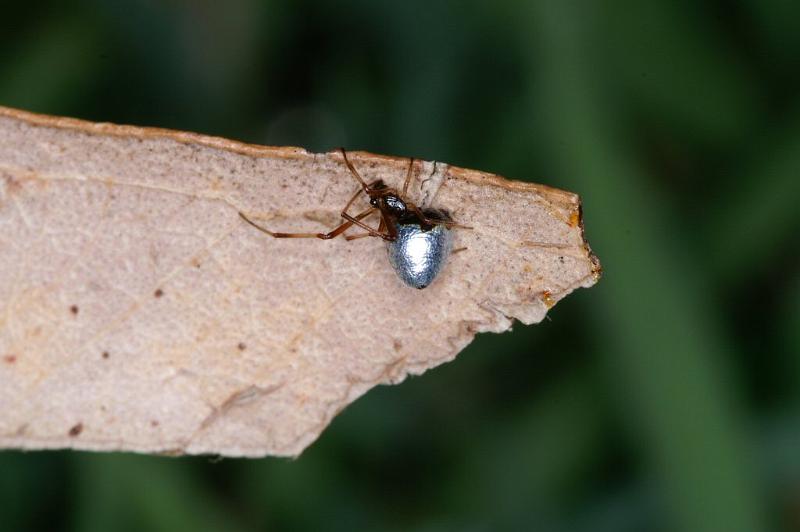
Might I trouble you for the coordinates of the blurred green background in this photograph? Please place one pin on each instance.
(665, 398)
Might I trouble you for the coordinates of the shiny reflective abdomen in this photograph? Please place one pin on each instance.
(418, 256)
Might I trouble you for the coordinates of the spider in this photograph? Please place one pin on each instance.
(418, 240)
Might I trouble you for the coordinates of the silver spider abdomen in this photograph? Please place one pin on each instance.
(418, 255)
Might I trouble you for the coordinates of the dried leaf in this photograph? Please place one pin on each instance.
(140, 313)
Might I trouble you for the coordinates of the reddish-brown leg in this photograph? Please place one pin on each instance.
(324, 236)
(391, 226)
(362, 225)
(366, 188)
(421, 215)
(386, 223)
(450, 224)
(381, 228)
(359, 191)
(408, 176)
(425, 220)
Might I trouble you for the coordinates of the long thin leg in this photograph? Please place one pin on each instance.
(421, 215)
(355, 173)
(391, 226)
(359, 191)
(450, 224)
(371, 231)
(408, 176)
(427, 221)
(389, 235)
(356, 221)
(344, 214)
(324, 236)
(381, 228)
(356, 237)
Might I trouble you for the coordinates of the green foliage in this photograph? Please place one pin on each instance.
(666, 398)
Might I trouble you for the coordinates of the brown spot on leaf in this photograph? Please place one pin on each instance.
(574, 218)
(13, 186)
(547, 299)
(75, 430)
(158, 293)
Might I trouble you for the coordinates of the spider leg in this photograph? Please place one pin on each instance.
(364, 186)
(370, 230)
(450, 224)
(391, 226)
(356, 237)
(324, 236)
(424, 219)
(381, 228)
(408, 176)
(359, 191)
(428, 221)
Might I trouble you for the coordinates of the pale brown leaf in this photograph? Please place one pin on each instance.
(139, 312)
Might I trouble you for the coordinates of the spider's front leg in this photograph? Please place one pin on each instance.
(324, 236)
